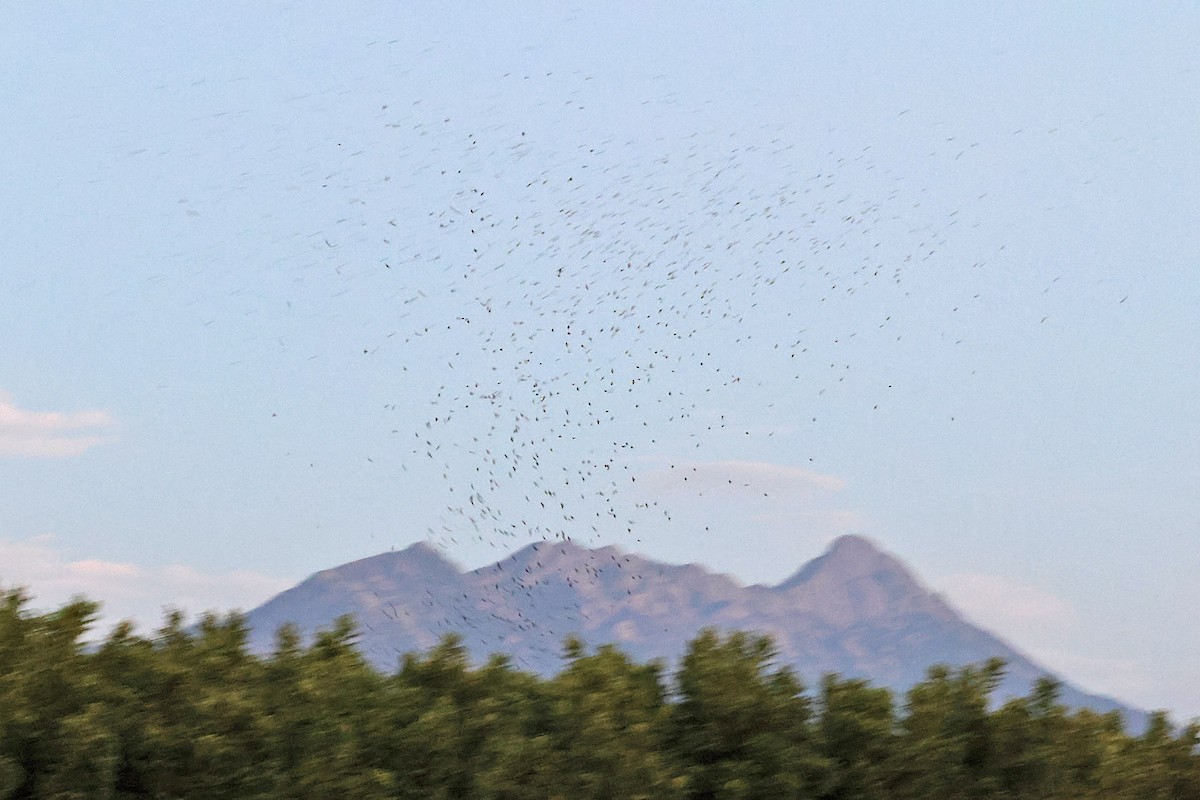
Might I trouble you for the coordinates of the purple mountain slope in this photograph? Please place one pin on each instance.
(855, 610)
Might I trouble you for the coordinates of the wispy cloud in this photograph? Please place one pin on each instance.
(758, 477)
(49, 434)
(1044, 626)
(1018, 611)
(833, 521)
(125, 590)
(741, 509)
(1119, 677)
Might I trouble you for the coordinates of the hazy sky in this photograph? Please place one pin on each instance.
(285, 288)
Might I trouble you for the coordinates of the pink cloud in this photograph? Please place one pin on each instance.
(834, 520)
(127, 591)
(1011, 608)
(49, 434)
(758, 477)
(101, 570)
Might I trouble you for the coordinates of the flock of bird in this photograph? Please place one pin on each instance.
(603, 307)
(566, 311)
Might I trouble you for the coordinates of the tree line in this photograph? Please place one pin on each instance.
(193, 713)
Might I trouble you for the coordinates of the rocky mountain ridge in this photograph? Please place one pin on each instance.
(855, 610)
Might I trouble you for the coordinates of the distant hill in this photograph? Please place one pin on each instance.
(855, 610)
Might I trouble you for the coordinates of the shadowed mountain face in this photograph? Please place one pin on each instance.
(855, 610)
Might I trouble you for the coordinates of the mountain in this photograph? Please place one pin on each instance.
(855, 610)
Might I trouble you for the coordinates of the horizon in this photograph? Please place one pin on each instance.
(426, 547)
(354, 579)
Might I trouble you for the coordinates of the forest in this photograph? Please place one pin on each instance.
(190, 712)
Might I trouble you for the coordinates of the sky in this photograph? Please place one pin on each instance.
(287, 287)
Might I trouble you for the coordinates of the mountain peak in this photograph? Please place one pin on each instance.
(421, 561)
(853, 547)
(424, 556)
(423, 549)
(847, 557)
(855, 580)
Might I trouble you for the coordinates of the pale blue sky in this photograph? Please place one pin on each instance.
(211, 211)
